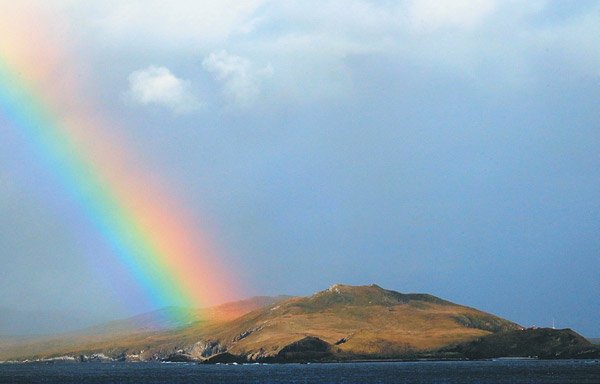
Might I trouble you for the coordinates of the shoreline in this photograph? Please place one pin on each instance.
(357, 361)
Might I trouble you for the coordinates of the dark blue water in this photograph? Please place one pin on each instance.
(575, 371)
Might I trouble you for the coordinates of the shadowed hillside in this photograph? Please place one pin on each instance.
(544, 343)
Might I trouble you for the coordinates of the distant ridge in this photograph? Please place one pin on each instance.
(22, 323)
(148, 323)
(177, 317)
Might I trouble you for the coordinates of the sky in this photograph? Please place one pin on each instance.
(447, 147)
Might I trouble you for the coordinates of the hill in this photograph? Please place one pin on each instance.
(342, 323)
(356, 322)
(366, 321)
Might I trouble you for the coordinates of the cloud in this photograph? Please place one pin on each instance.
(240, 79)
(434, 14)
(169, 25)
(318, 55)
(157, 85)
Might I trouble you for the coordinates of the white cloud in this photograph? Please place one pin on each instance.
(434, 14)
(241, 80)
(316, 45)
(169, 24)
(157, 85)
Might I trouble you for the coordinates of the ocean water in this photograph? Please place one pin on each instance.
(522, 371)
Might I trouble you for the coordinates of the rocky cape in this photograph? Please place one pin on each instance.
(342, 323)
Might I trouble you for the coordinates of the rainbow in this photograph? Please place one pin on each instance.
(148, 233)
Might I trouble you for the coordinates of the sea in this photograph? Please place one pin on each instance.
(500, 371)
